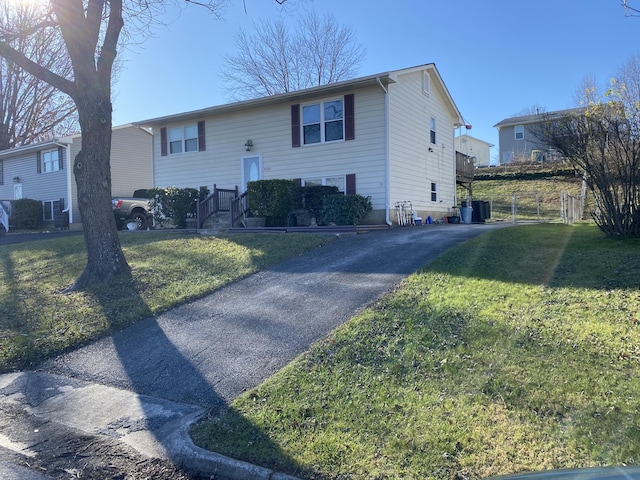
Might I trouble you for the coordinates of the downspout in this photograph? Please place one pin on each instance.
(387, 166)
(70, 178)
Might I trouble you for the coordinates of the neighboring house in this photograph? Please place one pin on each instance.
(44, 171)
(477, 150)
(517, 140)
(388, 136)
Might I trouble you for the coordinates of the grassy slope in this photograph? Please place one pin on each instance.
(538, 191)
(518, 351)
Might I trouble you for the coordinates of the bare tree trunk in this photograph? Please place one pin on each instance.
(92, 170)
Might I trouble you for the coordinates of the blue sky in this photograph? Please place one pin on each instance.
(497, 57)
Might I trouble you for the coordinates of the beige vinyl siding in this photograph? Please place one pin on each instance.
(269, 128)
(131, 165)
(412, 166)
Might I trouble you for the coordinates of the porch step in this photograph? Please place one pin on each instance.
(218, 224)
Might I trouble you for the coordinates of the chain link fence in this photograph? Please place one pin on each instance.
(560, 207)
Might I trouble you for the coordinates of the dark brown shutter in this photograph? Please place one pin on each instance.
(61, 151)
(295, 125)
(163, 141)
(39, 162)
(349, 117)
(298, 182)
(201, 141)
(351, 184)
(1, 172)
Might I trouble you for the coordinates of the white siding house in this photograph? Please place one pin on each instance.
(476, 149)
(44, 171)
(371, 135)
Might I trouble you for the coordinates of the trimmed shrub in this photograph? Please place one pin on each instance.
(174, 204)
(273, 199)
(26, 213)
(313, 198)
(345, 209)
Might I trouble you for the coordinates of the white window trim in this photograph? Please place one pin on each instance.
(183, 140)
(433, 129)
(55, 164)
(51, 209)
(322, 121)
(515, 130)
(434, 190)
(324, 180)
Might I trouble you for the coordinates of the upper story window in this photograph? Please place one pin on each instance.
(323, 122)
(434, 192)
(50, 161)
(519, 132)
(432, 130)
(182, 139)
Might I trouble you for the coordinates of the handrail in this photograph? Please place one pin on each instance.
(239, 208)
(219, 200)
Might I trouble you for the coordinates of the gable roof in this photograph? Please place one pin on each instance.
(54, 142)
(535, 118)
(384, 79)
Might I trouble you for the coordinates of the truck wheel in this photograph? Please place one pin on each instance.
(140, 219)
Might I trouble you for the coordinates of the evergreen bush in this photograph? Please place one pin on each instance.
(26, 213)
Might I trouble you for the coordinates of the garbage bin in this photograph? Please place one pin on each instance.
(465, 213)
(292, 220)
(61, 219)
(481, 211)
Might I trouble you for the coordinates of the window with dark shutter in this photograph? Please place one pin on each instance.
(295, 125)
(39, 162)
(1, 172)
(349, 117)
(163, 141)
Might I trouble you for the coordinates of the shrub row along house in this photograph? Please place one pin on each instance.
(390, 137)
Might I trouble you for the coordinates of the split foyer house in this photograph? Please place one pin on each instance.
(388, 136)
(44, 171)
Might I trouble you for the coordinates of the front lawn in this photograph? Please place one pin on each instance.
(168, 269)
(516, 351)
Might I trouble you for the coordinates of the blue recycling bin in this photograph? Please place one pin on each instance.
(465, 213)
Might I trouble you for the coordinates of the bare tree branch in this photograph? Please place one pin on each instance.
(274, 60)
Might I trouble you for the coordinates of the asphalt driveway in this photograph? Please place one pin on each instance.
(208, 352)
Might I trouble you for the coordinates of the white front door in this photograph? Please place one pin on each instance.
(17, 191)
(251, 170)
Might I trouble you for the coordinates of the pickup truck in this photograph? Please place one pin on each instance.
(132, 209)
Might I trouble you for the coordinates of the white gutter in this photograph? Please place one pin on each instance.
(387, 185)
(70, 177)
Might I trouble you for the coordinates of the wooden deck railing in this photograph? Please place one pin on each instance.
(464, 168)
(220, 200)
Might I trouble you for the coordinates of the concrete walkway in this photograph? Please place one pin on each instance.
(146, 385)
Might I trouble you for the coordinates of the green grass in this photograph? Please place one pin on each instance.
(517, 351)
(537, 198)
(37, 320)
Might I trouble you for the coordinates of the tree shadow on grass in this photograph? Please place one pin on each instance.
(153, 365)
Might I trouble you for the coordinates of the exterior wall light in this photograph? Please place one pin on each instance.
(248, 145)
